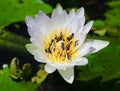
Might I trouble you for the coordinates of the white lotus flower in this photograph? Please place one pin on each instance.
(59, 41)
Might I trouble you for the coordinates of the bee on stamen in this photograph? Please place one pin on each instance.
(70, 37)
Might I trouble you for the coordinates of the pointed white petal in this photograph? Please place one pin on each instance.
(49, 68)
(59, 8)
(41, 16)
(81, 61)
(67, 74)
(57, 11)
(72, 14)
(92, 46)
(80, 12)
(97, 45)
(41, 22)
(62, 19)
(71, 17)
(31, 48)
(87, 27)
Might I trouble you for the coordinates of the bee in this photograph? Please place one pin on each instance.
(70, 37)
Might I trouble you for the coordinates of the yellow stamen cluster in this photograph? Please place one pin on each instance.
(60, 46)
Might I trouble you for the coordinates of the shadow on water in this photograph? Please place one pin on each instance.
(54, 82)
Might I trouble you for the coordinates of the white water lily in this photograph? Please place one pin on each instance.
(59, 41)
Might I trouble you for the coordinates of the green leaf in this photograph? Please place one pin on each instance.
(114, 3)
(7, 84)
(112, 19)
(16, 10)
(98, 24)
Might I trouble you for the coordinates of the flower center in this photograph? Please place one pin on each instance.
(61, 46)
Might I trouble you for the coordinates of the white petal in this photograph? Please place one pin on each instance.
(41, 16)
(91, 46)
(59, 8)
(57, 11)
(49, 68)
(29, 21)
(31, 32)
(81, 37)
(87, 27)
(72, 14)
(82, 22)
(59, 20)
(41, 21)
(71, 17)
(97, 45)
(62, 19)
(67, 74)
(80, 12)
(38, 42)
(75, 23)
(84, 49)
(40, 56)
(31, 48)
(81, 61)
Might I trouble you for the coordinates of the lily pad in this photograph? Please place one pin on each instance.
(16, 10)
(7, 84)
